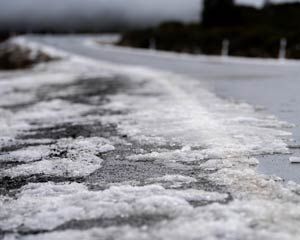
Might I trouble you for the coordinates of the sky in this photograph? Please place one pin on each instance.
(104, 14)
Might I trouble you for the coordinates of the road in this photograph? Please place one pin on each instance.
(115, 143)
(272, 85)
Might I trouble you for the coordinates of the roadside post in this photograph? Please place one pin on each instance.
(282, 49)
(225, 48)
(152, 44)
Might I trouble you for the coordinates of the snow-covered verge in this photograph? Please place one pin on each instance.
(91, 150)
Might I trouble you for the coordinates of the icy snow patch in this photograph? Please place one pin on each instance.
(174, 178)
(189, 115)
(172, 181)
(51, 111)
(64, 202)
(257, 219)
(68, 157)
(170, 156)
(19, 89)
(294, 159)
(28, 154)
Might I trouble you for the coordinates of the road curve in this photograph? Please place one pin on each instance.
(271, 85)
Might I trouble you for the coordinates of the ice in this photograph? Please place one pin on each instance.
(239, 220)
(28, 154)
(194, 117)
(201, 121)
(294, 159)
(211, 142)
(170, 156)
(105, 39)
(68, 158)
(174, 178)
(48, 205)
(52, 111)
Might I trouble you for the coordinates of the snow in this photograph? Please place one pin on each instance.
(202, 120)
(107, 39)
(34, 47)
(22, 88)
(63, 202)
(239, 220)
(80, 158)
(294, 159)
(29, 154)
(174, 178)
(179, 124)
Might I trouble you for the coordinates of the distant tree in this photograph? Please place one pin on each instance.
(219, 13)
(267, 3)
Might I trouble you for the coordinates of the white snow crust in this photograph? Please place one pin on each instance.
(80, 158)
(59, 203)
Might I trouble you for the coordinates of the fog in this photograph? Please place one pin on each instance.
(104, 14)
(72, 15)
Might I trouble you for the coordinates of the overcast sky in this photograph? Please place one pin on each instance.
(33, 14)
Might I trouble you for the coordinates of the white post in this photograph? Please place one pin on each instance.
(152, 44)
(282, 49)
(225, 48)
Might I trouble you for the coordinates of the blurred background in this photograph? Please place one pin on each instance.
(251, 28)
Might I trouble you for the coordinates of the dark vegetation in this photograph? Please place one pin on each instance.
(252, 32)
(3, 37)
(13, 56)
